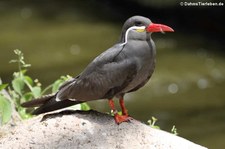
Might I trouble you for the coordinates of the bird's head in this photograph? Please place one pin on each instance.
(138, 27)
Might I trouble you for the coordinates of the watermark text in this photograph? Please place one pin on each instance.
(212, 4)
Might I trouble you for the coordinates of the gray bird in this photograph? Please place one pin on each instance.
(123, 68)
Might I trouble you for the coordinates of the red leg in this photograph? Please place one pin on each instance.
(124, 110)
(119, 118)
(112, 106)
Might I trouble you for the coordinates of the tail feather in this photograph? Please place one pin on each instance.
(48, 103)
(53, 105)
(38, 101)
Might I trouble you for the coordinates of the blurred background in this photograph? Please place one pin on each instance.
(188, 87)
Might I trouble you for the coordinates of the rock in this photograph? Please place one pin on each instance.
(89, 130)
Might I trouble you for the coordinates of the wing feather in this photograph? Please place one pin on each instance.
(104, 77)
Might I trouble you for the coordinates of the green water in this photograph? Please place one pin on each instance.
(186, 90)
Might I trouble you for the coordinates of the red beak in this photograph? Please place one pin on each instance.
(159, 28)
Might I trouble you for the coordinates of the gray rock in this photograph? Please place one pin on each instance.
(89, 130)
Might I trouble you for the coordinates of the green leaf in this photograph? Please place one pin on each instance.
(17, 51)
(5, 110)
(56, 85)
(16, 74)
(120, 113)
(59, 82)
(26, 65)
(85, 106)
(13, 94)
(21, 60)
(156, 127)
(152, 123)
(29, 80)
(23, 71)
(13, 61)
(3, 86)
(23, 114)
(174, 130)
(36, 91)
(28, 96)
(18, 85)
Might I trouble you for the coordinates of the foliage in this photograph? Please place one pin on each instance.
(23, 88)
(152, 123)
(85, 106)
(5, 110)
(174, 130)
(5, 106)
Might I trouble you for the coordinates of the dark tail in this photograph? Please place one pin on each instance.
(48, 103)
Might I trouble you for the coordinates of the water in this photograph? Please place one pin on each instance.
(186, 90)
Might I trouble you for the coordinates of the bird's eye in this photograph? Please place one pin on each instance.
(137, 23)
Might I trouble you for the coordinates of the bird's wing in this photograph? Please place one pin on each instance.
(104, 77)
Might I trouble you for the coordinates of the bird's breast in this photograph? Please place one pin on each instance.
(144, 54)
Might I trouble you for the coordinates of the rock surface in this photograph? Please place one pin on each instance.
(89, 130)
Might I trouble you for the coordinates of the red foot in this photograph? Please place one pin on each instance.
(121, 118)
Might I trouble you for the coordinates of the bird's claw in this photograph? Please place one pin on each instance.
(122, 118)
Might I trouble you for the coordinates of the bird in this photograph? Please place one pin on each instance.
(123, 68)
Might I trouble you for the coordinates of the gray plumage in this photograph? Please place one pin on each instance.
(121, 69)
